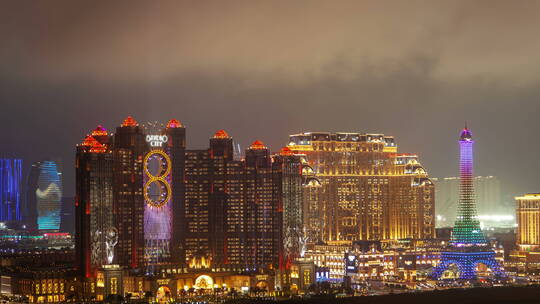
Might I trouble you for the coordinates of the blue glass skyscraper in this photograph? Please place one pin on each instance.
(10, 194)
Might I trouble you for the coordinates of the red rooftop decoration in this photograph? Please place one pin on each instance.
(174, 123)
(100, 131)
(98, 148)
(221, 134)
(257, 145)
(286, 151)
(129, 122)
(89, 141)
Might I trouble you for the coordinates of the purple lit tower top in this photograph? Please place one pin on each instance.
(467, 230)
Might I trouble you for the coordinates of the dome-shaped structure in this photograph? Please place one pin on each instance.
(286, 151)
(465, 135)
(174, 123)
(312, 182)
(221, 134)
(307, 170)
(129, 122)
(99, 131)
(257, 145)
(421, 181)
(89, 141)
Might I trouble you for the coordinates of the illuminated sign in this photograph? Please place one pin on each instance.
(350, 263)
(156, 140)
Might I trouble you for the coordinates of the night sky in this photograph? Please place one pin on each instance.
(416, 70)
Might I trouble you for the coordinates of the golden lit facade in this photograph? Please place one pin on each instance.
(368, 192)
(528, 220)
(331, 257)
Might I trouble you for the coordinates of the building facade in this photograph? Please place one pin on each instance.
(528, 222)
(242, 214)
(163, 191)
(129, 185)
(44, 196)
(10, 189)
(144, 202)
(94, 202)
(129, 149)
(368, 191)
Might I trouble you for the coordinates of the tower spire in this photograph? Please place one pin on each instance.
(468, 245)
(467, 230)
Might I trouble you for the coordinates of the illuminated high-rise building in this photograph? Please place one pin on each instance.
(198, 208)
(129, 149)
(130, 192)
(368, 191)
(163, 190)
(43, 196)
(528, 222)
(10, 189)
(176, 149)
(294, 176)
(94, 203)
(48, 196)
(469, 252)
(242, 214)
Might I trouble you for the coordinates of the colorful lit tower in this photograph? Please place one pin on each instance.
(469, 252)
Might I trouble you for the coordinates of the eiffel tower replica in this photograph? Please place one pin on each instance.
(468, 245)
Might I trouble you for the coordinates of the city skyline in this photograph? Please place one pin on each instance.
(238, 151)
(508, 190)
(418, 81)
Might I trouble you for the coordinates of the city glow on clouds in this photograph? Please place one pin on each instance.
(301, 41)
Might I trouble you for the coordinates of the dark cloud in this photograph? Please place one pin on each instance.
(262, 70)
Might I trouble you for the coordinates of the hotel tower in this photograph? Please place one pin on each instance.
(368, 190)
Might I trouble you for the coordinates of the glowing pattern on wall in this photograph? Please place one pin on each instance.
(49, 195)
(158, 208)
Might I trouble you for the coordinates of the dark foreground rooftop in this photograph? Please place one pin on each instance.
(496, 295)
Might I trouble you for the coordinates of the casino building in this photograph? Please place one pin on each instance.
(242, 214)
(126, 196)
(369, 191)
(160, 218)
